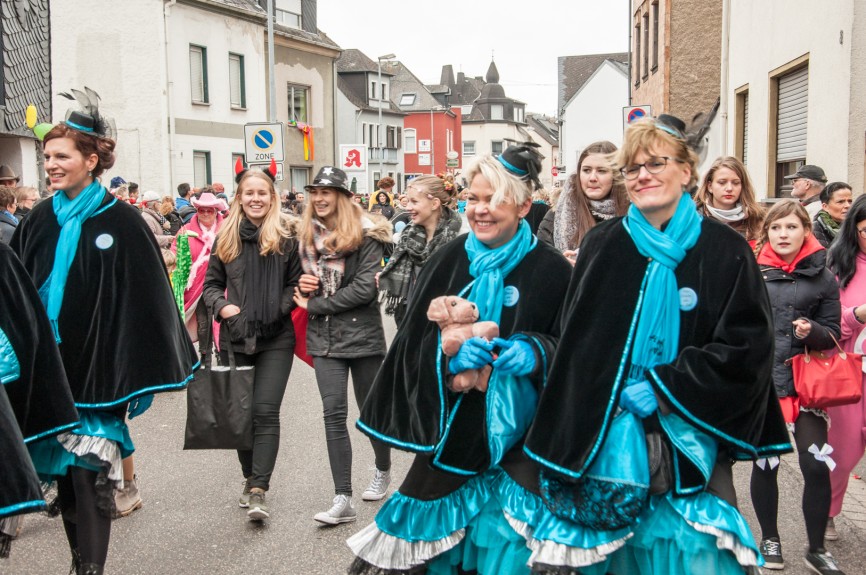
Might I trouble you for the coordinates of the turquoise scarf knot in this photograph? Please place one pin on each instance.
(490, 266)
(71, 215)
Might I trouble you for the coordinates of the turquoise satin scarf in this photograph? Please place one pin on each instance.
(658, 329)
(71, 214)
(489, 267)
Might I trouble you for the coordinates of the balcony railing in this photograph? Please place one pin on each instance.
(388, 155)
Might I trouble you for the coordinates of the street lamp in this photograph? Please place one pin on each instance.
(379, 127)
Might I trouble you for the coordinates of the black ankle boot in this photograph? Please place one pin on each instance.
(89, 569)
(76, 563)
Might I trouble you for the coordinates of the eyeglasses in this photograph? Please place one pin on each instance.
(862, 233)
(207, 210)
(654, 165)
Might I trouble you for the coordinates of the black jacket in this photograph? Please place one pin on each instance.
(823, 234)
(225, 284)
(809, 292)
(545, 228)
(348, 324)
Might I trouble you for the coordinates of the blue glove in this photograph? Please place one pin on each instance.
(473, 354)
(639, 398)
(139, 405)
(517, 357)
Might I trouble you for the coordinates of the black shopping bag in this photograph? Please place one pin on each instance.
(219, 407)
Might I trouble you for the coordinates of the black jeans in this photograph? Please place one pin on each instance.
(332, 377)
(272, 374)
(204, 322)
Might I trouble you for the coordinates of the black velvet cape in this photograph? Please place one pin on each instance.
(38, 403)
(122, 335)
(720, 381)
(409, 403)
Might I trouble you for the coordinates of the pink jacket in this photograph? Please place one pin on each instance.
(200, 253)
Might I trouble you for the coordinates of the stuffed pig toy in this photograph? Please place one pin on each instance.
(458, 321)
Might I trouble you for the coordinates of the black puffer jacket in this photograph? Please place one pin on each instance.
(348, 324)
(809, 292)
(545, 228)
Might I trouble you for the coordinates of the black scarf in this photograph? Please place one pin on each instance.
(412, 251)
(263, 282)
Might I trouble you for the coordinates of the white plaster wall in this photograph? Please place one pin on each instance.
(348, 122)
(771, 33)
(126, 66)
(483, 134)
(593, 114)
(220, 35)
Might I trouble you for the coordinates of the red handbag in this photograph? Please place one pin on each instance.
(300, 319)
(828, 379)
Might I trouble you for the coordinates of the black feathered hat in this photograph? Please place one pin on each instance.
(524, 161)
(89, 119)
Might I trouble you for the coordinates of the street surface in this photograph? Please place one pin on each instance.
(191, 523)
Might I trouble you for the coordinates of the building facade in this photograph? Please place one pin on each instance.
(796, 81)
(25, 78)
(593, 89)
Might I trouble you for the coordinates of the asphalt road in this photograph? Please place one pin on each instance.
(191, 524)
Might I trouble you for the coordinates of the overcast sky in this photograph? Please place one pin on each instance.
(525, 38)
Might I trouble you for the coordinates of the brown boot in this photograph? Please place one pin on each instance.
(128, 499)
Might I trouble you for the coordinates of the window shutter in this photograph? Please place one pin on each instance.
(746, 129)
(793, 108)
(196, 74)
(235, 79)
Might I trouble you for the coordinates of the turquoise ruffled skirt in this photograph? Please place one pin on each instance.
(99, 443)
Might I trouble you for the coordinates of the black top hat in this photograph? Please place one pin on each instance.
(330, 177)
(88, 118)
(524, 161)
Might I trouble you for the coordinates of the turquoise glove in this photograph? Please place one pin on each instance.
(517, 357)
(139, 405)
(639, 398)
(473, 354)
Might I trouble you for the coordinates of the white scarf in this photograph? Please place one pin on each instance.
(208, 235)
(735, 214)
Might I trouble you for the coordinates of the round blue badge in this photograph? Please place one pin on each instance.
(104, 241)
(511, 296)
(688, 299)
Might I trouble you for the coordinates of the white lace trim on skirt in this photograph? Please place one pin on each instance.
(388, 552)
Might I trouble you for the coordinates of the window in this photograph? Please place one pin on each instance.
(392, 136)
(201, 174)
(645, 44)
(198, 73)
(364, 133)
(384, 92)
(235, 157)
(407, 100)
(518, 114)
(237, 81)
(466, 110)
(300, 178)
(288, 13)
(655, 9)
(298, 111)
(372, 90)
(468, 148)
(497, 112)
(741, 128)
(374, 141)
(409, 140)
(792, 104)
(496, 147)
(635, 62)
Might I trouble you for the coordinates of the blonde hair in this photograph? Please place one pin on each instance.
(167, 205)
(753, 210)
(275, 228)
(645, 136)
(507, 187)
(21, 192)
(781, 210)
(347, 235)
(434, 187)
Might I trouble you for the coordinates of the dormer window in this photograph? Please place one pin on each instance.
(496, 112)
(407, 99)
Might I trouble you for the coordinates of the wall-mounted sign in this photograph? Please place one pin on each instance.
(266, 166)
(353, 158)
(424, 159)
(423, 145)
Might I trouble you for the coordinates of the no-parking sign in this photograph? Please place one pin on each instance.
(263, 143)
(634, 113)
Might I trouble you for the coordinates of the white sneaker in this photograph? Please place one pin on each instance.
(342, 512)
(378, 487)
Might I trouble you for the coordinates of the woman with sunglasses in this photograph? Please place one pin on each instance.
(686, 359)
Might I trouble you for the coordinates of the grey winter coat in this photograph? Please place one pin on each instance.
(7, 228)
(810, 292)
(348, 324)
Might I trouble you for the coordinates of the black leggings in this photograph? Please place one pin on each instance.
(88, 528)
(332, 377)
(272, 374)
(810, 429)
